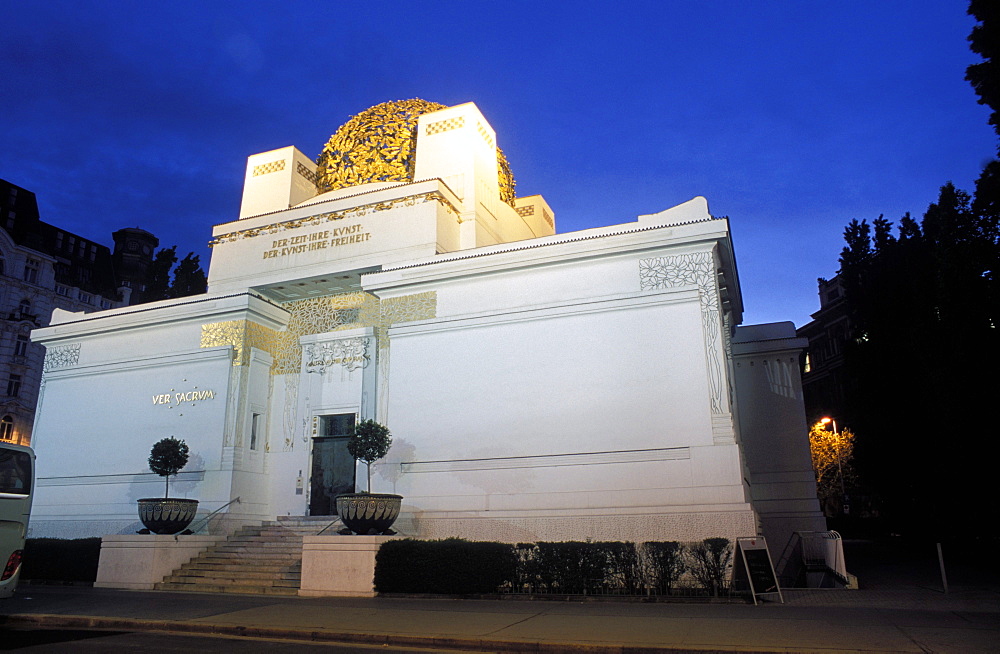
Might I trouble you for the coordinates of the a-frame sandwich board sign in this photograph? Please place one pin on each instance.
(753, 566)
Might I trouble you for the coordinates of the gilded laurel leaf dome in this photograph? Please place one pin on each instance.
(380, 144)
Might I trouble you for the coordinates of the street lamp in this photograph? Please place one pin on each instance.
(840, 468)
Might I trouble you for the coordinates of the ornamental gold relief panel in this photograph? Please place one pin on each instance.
(317, 316)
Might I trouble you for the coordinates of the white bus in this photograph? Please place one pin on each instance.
(17, 475)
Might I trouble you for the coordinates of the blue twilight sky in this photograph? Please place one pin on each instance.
(791, 117)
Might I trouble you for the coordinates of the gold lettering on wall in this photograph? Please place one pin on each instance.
(328, 238)
(175, 398)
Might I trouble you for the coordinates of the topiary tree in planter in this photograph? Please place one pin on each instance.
(367, 512)
(369, 442)
(167, 516)
(167, 458)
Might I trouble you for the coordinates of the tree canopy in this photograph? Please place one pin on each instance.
(188, 276)
(167, 458)
(984, 41)
(369, 442)
(924, 345)
(924, 308)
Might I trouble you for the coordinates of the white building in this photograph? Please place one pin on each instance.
(42, 267)
(539, 386)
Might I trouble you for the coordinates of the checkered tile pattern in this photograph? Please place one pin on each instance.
(307, 173)
(445, 125)
(272, 167)
(486, 135)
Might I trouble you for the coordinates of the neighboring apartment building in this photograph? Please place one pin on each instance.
(43, 267)
(823, 372)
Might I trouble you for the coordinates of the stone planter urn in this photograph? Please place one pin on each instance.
(167, 516)
(369, 513)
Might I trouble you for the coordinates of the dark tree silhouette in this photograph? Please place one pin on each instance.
(924, 308)
(158, 274)
(921, 359)
(189, 278)
(985, 41)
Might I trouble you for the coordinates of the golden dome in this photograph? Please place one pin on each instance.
(379, 145)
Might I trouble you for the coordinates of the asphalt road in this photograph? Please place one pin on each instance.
(79, 641)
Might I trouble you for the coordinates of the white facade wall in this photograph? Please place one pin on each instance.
(116, 383)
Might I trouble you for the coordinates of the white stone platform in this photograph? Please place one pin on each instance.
(141, 561)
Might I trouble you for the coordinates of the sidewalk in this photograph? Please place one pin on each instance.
(909, 619)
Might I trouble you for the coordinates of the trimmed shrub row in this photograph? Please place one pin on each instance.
(57, 559)
(459, 567)
(448, 567)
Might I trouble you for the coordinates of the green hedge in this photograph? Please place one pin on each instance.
(56, 559)
(460, 567)
(451, 567)
(579, 568)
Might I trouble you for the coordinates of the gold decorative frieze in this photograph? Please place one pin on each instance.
(241, 335)
(317, 316)
(321, 218)
(525, 211)
(271, 167)
(406, 308)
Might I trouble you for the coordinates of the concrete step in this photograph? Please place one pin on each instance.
(257, 559)
(287, 579)
(261, 547)
(243, 590)
(255, 566)
(243, 562)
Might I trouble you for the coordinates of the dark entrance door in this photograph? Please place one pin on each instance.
(332, 465)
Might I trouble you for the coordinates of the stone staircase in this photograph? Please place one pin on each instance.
(265, 560)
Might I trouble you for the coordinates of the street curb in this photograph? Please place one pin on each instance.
(325, 636)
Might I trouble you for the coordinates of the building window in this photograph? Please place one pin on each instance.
(86, 298)
(13, 385)
(1, 265)
(63, 290)
(105, 304)
(254, 430)
(21, 345)
(24, 308)
(31, 271)
(6, 428)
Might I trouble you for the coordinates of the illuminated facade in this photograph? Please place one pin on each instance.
(539, 386)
